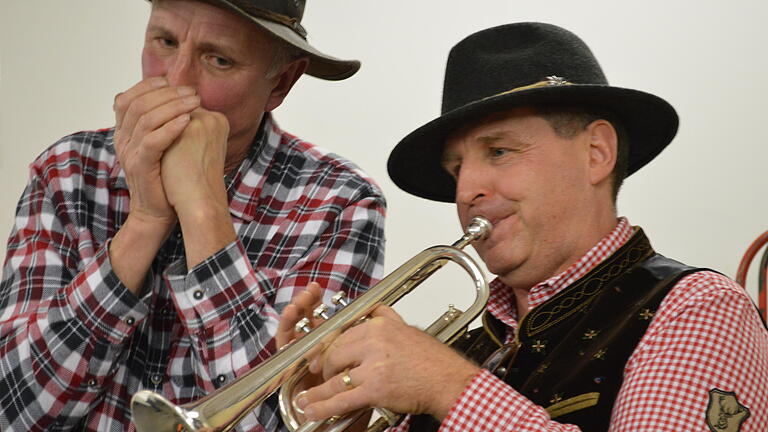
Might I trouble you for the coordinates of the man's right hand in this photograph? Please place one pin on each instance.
(148, 118)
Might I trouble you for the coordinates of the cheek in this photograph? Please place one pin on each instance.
(222, 96)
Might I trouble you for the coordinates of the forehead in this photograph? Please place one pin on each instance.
(206, 21)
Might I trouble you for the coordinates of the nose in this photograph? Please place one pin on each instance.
(473, 183)
(181, 70)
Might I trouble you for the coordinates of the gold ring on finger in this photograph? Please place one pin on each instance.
(346, 379)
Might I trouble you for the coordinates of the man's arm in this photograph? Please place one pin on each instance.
(706, 340)
(148, 118)
(706, 337)
(68, 299)
(64, 314)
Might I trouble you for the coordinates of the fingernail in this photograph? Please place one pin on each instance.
(182, 118)
(185, 91)
(310, 414)
(191, 100)
(302, 401)
(158, 82)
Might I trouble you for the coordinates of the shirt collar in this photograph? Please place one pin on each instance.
(501, 303)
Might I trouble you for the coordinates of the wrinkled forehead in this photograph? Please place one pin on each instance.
(209, 21)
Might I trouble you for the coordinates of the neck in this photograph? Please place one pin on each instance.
(238, 147)
(587, 238)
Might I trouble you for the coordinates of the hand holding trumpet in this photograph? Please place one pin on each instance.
(382, 362)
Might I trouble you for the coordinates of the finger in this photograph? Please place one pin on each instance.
(157, 141)
(123, 99)
(169, 102)
(332, 398)
(300, 306)
(346, 351)
(285, 331)
(387, 312)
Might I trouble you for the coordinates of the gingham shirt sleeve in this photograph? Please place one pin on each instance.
(706, 335)
(62, 319)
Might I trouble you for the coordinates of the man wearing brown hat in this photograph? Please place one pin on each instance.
(158, 254)
(587, 327)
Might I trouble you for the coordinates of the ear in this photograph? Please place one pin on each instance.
(603, 147)
(284, 81)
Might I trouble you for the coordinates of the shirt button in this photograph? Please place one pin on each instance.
(130, 320)
(197, 295)
(221, 379)
(156, 379)
(92, 382)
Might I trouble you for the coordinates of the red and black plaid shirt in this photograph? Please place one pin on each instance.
(75, 344)
(706, 335)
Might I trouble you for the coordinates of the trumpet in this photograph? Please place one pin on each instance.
(223, 409)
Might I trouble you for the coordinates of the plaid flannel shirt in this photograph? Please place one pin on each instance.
(705, 335)
(75, 344)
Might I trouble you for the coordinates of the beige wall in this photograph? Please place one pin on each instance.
(703, 201)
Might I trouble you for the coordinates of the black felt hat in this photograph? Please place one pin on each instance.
(524, 64)
(282, 19)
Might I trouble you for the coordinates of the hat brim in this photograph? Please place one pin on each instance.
(415, 163)
(321, 65)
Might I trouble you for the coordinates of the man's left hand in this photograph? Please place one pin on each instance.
(389, 364)
(192, 171)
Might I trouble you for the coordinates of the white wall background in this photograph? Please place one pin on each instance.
(703, 201)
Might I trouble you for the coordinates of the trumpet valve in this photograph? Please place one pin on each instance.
(321, 312)
(340, 298)
(303, 326)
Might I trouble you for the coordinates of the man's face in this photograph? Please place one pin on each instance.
(221, 55)
(532, 184)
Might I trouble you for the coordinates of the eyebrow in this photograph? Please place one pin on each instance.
(234, 50)
(494, 138)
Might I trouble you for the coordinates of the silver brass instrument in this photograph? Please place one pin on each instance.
(223, 409)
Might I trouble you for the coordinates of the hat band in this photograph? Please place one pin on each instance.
(548, 82)
(287, 21)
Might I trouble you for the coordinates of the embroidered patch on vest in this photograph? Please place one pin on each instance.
(724, 412)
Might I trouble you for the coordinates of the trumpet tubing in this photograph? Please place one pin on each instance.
(223, 409)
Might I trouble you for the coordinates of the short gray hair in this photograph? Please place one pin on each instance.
(282, 54)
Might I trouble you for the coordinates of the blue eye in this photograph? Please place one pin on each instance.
(496, 151)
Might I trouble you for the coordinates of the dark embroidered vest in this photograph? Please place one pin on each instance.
(570, 351)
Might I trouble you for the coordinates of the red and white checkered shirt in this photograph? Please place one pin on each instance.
(75, 344)
(706, 335)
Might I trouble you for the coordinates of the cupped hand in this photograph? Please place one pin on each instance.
(192, 167)
(148, 118)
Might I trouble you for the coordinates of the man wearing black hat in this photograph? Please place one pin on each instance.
(158, 254)
(587, 327)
